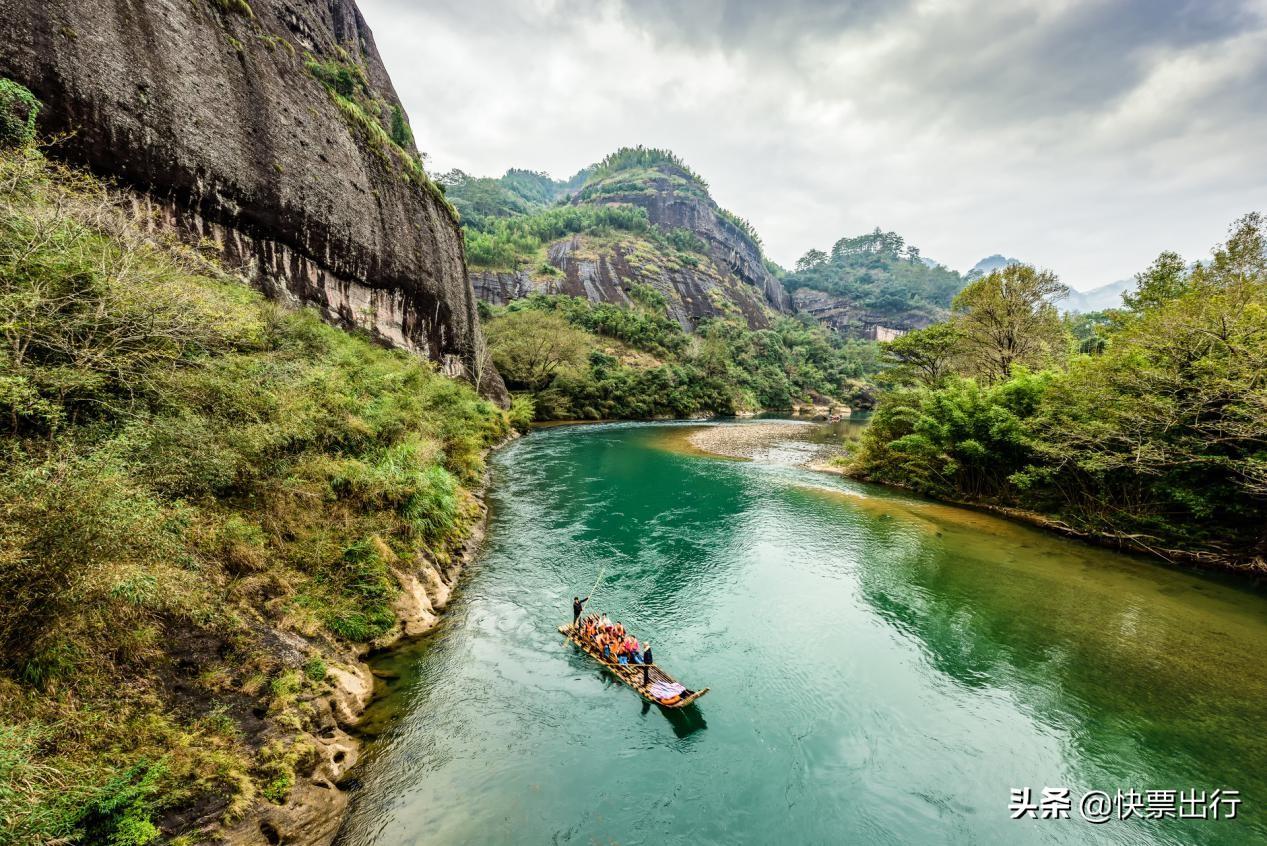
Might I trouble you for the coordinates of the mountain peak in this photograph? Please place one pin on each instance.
(989, 264)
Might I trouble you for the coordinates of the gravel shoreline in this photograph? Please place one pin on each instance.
(750, 440)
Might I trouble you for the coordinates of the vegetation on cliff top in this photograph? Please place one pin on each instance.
(880, 272)
(507, 242)
(497, 214)
(1150, 427)
(186, 470)
(482, 200)
(641, 170)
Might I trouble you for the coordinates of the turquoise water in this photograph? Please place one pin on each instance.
(882, 669)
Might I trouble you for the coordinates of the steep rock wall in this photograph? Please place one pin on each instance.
(727, 277)
(730, 249)
(208, 110)
(853, 320)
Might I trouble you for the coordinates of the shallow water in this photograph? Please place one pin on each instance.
(882, 669)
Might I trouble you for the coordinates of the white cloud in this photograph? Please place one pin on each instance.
(1084, 135)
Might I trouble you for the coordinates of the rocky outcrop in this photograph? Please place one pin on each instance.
(315, 806)
(212, 111)
(500, 287)
(728, 246)
(723, 275)
(852, 320)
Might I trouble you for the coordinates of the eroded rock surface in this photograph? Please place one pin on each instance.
(209, 108)
(852, 320)
(726, 277)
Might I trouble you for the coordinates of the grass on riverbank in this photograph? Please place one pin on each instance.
(186, 471)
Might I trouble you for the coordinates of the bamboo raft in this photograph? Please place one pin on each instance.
(631, 674)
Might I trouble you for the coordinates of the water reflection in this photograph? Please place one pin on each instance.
(685, 721)
(882, 669)
(1104, 650)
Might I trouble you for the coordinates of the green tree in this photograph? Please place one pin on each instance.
(925, 356)
(531, 347)
(1165, 279)
(18, 111)
(1008, 318)
(811, 260)
(1163, 439)
(402, 136)
(1091, 329)
(1156, 438)
(959, 441)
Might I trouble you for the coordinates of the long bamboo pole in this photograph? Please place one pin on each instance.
(590, 595)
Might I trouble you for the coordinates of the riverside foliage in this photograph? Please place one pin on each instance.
(578, 359)
(1150, 428)
(185, 468)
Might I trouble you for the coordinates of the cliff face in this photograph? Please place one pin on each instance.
(853, 320)
(225, 117)
(721, 271)
(731, 250)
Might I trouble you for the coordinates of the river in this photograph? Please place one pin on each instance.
(882, 669)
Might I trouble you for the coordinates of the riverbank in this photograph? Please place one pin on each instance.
(751, 441)
(205, 537)
(317, 804)
(1200, 559)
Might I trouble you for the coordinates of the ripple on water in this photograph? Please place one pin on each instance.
(883, 669)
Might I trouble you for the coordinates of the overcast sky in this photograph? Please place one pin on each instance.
(1081, 135)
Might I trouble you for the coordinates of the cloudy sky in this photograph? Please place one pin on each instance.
(1082, 135)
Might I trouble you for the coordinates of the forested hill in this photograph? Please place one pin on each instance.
(871, 283)
(482, 200)
(639, 219)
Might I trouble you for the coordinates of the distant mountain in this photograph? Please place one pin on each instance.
(1098, 299)
(989, 264)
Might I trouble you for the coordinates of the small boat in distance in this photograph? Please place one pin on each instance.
(658, 681)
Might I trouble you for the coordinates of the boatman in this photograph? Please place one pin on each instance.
(646, 663)
(578, 605)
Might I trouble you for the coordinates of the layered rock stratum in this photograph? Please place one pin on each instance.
(725, 274)
(225, 118)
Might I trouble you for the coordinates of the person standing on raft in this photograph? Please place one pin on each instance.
(646, 663)
(578, 605)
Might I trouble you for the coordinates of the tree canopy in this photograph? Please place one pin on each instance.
(880, 272)
(1152, 431)
(1008, 317)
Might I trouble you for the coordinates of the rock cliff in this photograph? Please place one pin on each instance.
(853, 320)
(697, 256)
(270, 129)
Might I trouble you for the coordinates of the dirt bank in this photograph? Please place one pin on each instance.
(316, 805)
